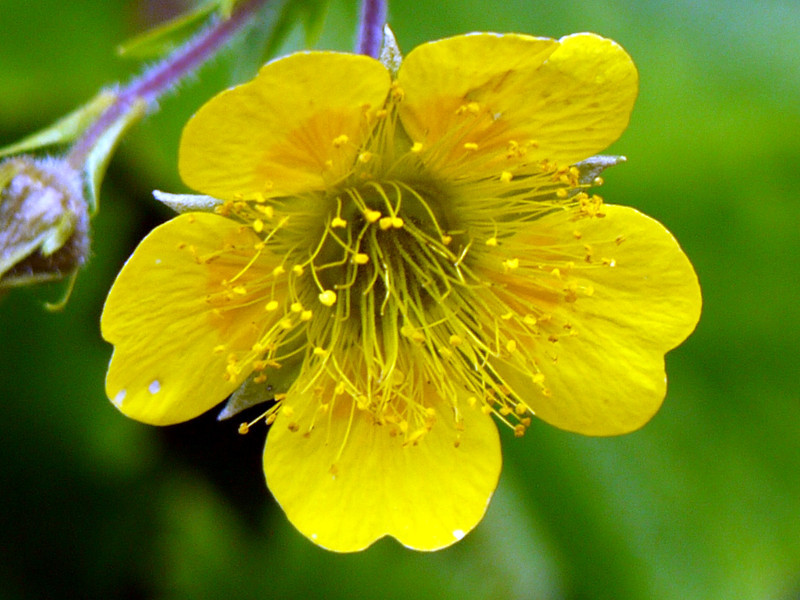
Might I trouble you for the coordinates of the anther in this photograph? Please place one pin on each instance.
(327, 297)
(340, 141)
(371, 215)
(360, 258)
(506, 176)
(271, 306)
(510, 264)
(338, 222)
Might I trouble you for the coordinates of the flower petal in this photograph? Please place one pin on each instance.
(293, 128)
(344, 495)
(483, 103)
(634, 297)
(173, 325)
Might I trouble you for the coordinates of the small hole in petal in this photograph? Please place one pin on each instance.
(154, 387)
(119, 398)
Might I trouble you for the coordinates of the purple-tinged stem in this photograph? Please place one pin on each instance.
(147, 88)
(370, 32)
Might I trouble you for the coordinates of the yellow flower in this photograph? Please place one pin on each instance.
(405, 256)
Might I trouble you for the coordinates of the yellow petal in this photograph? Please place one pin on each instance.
(344, 495)
(297, 125)
(174, 326)
(609, 322)
(482, 103)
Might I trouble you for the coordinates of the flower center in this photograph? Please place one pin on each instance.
(395, 295)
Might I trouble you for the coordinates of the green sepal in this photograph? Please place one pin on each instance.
(251, 393)
(66, 129)
(94, 167)
(164, 38)
(183, 203)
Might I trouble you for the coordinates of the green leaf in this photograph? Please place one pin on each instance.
(65, 129)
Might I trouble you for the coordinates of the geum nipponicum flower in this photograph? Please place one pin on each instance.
(409, 255)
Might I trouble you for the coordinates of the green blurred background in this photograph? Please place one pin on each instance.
(703, 503)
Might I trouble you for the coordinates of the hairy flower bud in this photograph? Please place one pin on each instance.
(44, 221)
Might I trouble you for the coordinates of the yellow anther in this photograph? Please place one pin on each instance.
(455, 340)
(338, 222)
(286, 323)
(361, 258)
(278, 271)
(244, 429)
(416, 147)
(298, 270)
(470, 146)
(397, 222)
(371, 215)
(511, 346)
(562, 193)
(365, 157)
(328, 297)
(446, 239)
(385, 223)
(240, 289)
(529, 320)
(472, 401)
(340, 141)
(271, 306)
(296, 307)
(520, 409)
(507, 316)
(258, 225)
(506, 176)
(492, 242)
(306, 315)
(471, 107)
(519, 430)
(339, 389)
(219, 349)
(510, 264)
(287, 411)
(319, 351)
(556, 272)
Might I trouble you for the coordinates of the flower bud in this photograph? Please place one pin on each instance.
(44, 221)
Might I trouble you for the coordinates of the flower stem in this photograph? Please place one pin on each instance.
(147, 88)
(370, 32)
